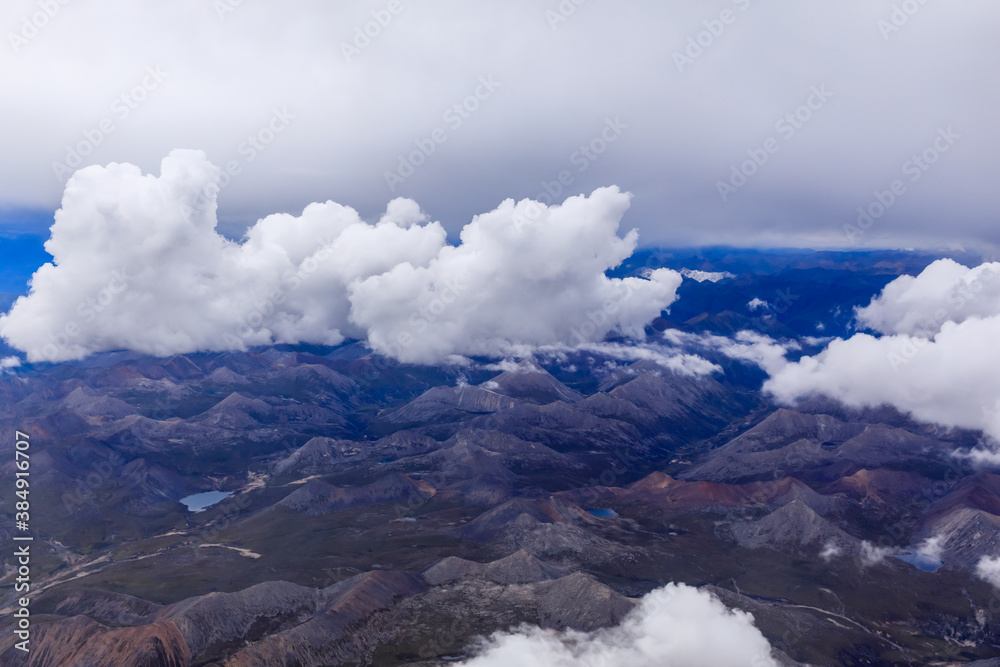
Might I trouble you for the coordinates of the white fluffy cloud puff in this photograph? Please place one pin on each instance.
(674, 625)
(945, 291)
(988, 569)
(523, 274)
(937, 362)
(138, 264)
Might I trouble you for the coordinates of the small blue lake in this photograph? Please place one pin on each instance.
(201, 501)
(920, 561)
(604, 513)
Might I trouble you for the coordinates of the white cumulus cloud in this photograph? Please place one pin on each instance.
(523, 274)
(988, 569)
(943, 373)
(674, 625)
(138, 264)
(945, 291)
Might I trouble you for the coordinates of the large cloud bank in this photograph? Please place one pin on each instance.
(139, 265)
(936, 358)
(674, 625)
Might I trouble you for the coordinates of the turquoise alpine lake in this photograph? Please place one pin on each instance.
(199, 502)
(920, 561)
(604, 513)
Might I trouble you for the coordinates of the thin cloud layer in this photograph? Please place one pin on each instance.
(139, 265)
(674, 625)
(938, 363)
(700, 103)
(748, 346)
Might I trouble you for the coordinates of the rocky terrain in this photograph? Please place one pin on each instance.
(389, 514)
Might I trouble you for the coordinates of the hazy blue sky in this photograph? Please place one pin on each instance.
(668, 96)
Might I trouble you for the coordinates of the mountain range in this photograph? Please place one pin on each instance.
(391, 514)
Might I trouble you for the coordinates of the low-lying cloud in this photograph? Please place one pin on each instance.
(139, 265)
(988, 569)
(748, 346)
(937, 358)
(945, 291)
(674, 625)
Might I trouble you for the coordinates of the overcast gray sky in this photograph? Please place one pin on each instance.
(886, 80)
